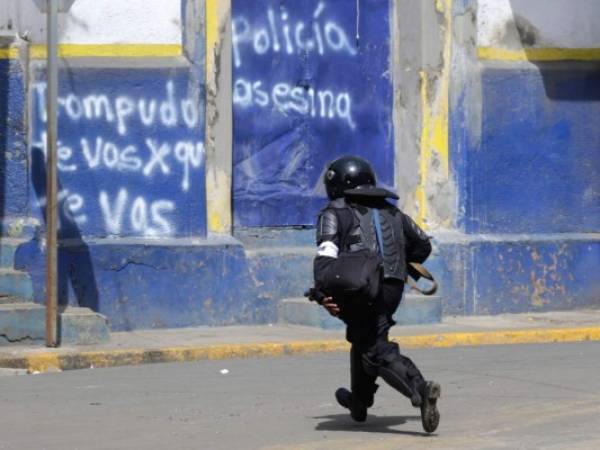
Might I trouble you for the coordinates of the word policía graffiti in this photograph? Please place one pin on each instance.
(281, 33)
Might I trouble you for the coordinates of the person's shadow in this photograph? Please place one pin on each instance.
(374, 424)
(74, 259)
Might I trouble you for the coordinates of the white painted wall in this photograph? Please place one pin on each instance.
(561, 23)
(99, 21)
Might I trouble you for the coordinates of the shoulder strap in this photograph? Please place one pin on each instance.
(378, 234)
(425, 274)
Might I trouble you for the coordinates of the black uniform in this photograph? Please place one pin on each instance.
(348, 223)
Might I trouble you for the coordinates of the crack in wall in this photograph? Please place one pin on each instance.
(27, 338)
(135, 263)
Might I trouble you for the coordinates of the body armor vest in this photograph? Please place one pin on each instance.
(363, 235)
(356, 229)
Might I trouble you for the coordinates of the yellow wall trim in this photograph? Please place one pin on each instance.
(212, 32)
(539, 54)
(434, 126)
(110, 51)
(218, 169)
(9, 53)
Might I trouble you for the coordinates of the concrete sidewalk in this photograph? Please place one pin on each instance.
(189, 344)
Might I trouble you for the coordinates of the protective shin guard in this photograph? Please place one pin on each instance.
(362, 383)
(391, 377)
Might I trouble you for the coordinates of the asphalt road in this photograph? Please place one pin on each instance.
(498, 397)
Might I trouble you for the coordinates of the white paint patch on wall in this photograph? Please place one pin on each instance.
(543, 23)
(99, 21)
(131, 22)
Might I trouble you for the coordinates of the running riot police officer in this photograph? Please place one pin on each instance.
(360, 218)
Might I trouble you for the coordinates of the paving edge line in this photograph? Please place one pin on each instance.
(56, 360)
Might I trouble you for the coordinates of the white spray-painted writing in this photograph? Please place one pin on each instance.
(122, 110)
(158, 157)
(69, 205)
(107, 154)
(280, 33)
(141, 158)
(145, 218)
(63, 152)
(286, 97)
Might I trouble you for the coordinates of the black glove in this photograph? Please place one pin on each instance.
(315, 295)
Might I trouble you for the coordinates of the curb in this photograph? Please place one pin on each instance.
(52, 360)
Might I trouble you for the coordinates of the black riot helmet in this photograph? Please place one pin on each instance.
(347, 172)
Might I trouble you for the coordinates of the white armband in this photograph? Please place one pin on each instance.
(328, 248)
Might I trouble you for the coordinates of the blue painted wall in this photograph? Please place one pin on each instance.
(132, 174)
(305, 91)
(13, 141)
(171, 283)
(132, 207)
(534, 275)
(495, 275)
(525, 156)
(131, 152)
(131, 164)
(537, 169)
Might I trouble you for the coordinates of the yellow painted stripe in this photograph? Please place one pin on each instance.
(50, 360)
(110, 51)
(501, 337)
(539, 54)
(425, 156)
(9, 53)
(434, 131)
(43, 362)
(214, 211)
(212, 32)
(218, 180)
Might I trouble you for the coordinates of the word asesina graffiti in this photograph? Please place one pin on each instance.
(287, 98)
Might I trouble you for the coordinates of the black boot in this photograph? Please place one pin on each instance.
(430, 416)
(358, 410)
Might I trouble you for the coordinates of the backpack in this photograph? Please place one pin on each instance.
(352, 276)
(357, 276)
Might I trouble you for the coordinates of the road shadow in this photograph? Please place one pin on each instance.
(374, 424)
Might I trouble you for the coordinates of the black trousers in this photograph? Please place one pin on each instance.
(372, 354)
